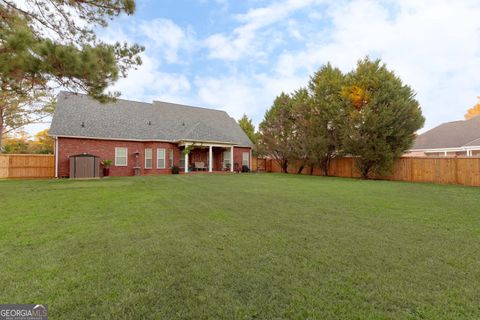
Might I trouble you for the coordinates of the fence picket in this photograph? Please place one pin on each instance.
(464, 171)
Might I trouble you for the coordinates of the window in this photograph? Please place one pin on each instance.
(170, 157)
(121, 159)
(226, 159)
(245, 159)
(160, 158)
(182, 162)
(148, 158)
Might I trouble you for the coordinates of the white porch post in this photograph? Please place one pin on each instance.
(210, 159)
(251, 161)
(231, 159)
(186, 160)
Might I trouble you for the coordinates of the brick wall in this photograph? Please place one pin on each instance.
(238, 154)
(105, 149)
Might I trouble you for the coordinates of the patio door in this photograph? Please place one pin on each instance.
(182, 161)
(208, 160)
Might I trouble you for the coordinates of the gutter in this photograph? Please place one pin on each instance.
(151, 140)
(56, 157)
(445, 149)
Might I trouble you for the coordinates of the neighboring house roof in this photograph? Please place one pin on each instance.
(78, 115)
(454, 134)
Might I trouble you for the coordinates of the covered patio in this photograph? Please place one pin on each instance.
(207, 157)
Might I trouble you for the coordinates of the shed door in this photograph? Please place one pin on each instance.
(85, 167)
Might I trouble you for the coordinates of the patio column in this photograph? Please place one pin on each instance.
(250, 162)
(231, 159)
(210, 159)
(186, 161)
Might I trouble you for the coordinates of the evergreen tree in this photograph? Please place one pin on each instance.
(247, 126)
(382, 117)
(276, 131)
(46, 44)
(302, 129)
(326, 116)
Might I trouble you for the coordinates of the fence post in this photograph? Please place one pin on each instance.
(352, 162)
(456, 170)
(412, 175)
(10, 165)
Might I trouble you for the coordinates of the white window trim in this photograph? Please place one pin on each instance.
(150, 158)
(116, 157)
(158, 158)
(247, 161)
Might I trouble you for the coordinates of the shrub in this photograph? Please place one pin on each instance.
(245, 169)
(175, 170)
(107, 163)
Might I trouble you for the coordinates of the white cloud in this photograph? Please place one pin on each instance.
(166, 38)
(234, 94)
(147, 83)
(238, 94)
(249, 39)
(433, 46)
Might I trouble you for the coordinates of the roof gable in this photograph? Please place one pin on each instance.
(78, 115)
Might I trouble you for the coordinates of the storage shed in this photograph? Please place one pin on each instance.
(84, 166)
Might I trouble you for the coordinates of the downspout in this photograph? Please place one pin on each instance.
(56, 157)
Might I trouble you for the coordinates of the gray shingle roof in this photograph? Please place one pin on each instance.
(78, 115)
(451, 135)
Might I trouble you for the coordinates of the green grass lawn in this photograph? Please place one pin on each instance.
(250, 246)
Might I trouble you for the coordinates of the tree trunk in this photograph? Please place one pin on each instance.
(365, 172)
(363, 167)
(325, 165)
(300, 169)
(285, 166)
(311, 169)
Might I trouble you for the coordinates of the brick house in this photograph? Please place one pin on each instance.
(147, 138)
(450, 139)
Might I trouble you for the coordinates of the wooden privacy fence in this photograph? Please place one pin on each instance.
(464, 171)
(27, 166)
(261, 164)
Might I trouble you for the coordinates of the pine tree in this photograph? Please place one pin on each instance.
(47, 44)
(247, 126)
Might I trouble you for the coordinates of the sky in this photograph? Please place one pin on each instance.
(239, 55)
